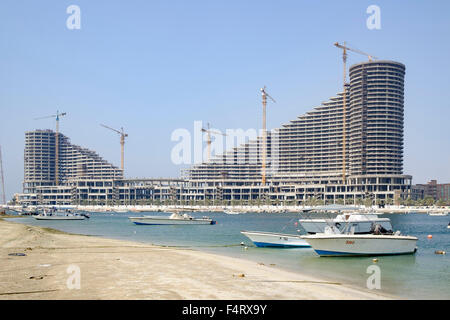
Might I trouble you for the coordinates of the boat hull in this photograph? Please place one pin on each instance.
(361, 245)
(166, 221)
(278, 240)
(56, 218)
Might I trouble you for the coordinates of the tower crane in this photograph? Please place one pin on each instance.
(344, 99)
(208, 141)
(57, 116)
(2, 178)
(123, 135)
(265, 95)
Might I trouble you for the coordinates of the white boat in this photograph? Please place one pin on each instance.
(441, 214)
(230, 211)
(334, 243)
(362, 223)
(272, 239)
(55, 215)
(174, 219)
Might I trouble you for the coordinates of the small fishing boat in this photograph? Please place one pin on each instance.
(174, 219)
(333, 243)
(61, 215)
(438, 213)
(279, 240)
(231, 211)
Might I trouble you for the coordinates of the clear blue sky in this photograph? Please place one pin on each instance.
(155, 66)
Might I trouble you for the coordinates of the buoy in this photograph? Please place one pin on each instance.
(439, 252)
(245, 248)
(375, 260)
(429, 236)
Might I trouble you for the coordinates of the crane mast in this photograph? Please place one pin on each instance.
(2, 178)
(208, 141)
(264, 133)
(123, 135)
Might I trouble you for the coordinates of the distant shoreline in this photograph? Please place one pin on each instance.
(242, 208)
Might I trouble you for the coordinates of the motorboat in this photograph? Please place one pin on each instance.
(362, 223)
(438, 213)
(279, 240)
(231, 211)
(61, 215)
(174, 219)
(332, 242)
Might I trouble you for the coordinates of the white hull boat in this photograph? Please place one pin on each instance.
(280, 240)
(438, 214)
(59, 217)
(361, 245)
(174, 219)
(362, 223)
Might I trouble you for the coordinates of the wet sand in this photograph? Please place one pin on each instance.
(116, 269)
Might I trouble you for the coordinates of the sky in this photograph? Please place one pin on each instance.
(153, 67)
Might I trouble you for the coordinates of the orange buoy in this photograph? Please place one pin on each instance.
(429, 236)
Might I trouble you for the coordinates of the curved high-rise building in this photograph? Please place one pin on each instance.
(375, 127)
(309, 152)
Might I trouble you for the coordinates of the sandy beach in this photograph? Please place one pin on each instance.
(116, 269)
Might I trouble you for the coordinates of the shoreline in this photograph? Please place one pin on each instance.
(119, 269)
(238, 209)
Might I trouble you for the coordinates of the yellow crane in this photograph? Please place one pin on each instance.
(344, 100)
(265, 95)
(57, 116)
(208, 141)
(123, 135)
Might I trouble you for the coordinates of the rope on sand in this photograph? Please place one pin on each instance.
(26, 292)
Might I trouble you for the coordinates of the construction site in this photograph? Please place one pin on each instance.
(345, 150)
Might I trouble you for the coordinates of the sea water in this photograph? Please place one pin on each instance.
(424, 275)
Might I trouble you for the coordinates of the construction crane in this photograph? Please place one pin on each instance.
(2, 178)
(208, 141)
(57, 116)
(344, 100)
(265, 95)
(123, 135)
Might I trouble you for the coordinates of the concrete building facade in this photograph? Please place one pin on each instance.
(319, 156)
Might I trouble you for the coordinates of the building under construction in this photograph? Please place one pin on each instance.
(346, 150)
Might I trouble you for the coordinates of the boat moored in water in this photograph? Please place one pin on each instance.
(438, 213)
(333, 243)
(279, 240)
(61, 215)
(174, 219)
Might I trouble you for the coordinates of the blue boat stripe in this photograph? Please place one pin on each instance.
(268, 244)
(337, 253)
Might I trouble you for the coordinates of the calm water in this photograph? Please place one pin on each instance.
(424, 275)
